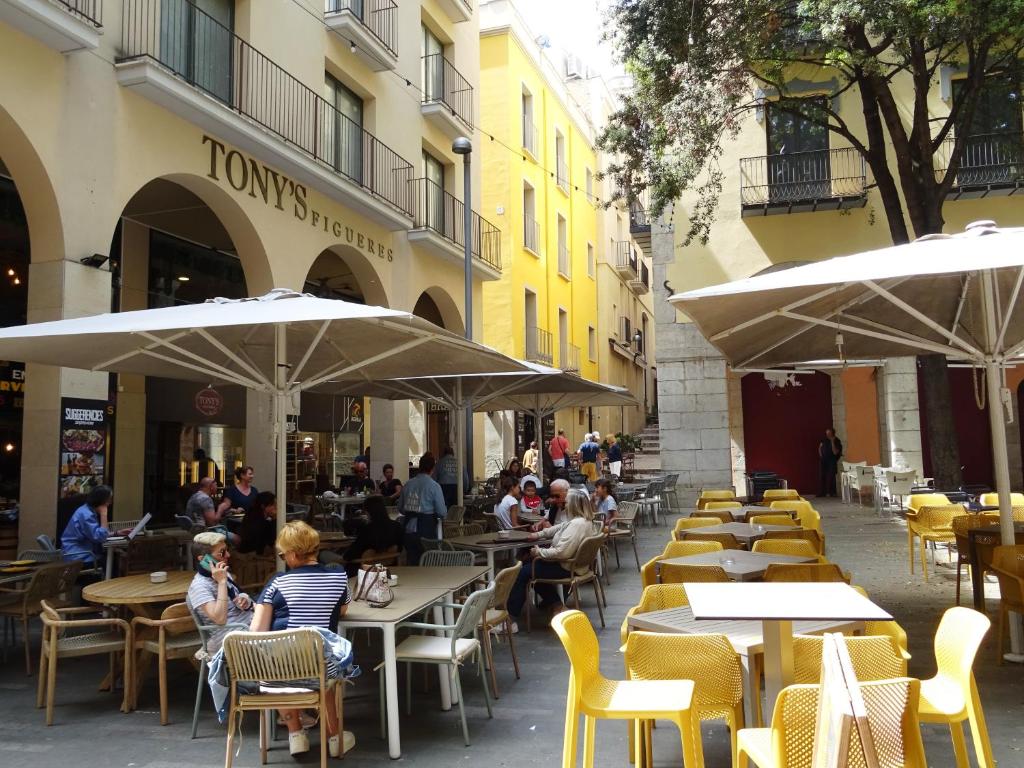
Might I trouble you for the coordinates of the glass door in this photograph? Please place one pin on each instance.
(196, 43)
(433, 67)
(343, 129)
(438, 218)
(798, 157)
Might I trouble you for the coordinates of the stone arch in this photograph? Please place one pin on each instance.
(241, 230)
(439, 303)
(35, 188)
(343, 272)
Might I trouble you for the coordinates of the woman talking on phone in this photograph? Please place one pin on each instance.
(213, 594)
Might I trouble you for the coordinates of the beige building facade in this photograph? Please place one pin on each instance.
(155, 152)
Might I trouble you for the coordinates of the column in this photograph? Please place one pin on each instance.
(901, 435)
(838, 405)
(260, 452)
(734, 383)
(390, 436)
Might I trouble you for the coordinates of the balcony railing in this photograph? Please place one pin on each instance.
(564, 260)
(563, 174)
(89, 10)
(538, 345)
(991, 162)
(626, 261)
(439, 210)
(531, 234)
(378, 16)
(531, 137)
(639, 221)
(641, 284)
(571, 358)
(645, 276)
(444, 84)
(210, 57)
(804, 179)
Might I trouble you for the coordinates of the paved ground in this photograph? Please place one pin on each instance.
(527, 726)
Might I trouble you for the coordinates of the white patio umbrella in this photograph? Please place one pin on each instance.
(283, 343)
(537, 389)
(955, 295)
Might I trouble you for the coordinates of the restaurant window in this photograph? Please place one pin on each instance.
(181, 272)
(196, 42)
(798, 158)
(343, 129)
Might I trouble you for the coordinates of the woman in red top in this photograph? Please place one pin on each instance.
(558, 447)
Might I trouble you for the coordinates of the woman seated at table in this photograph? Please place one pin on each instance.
(390, 487)
(552, 562)
(381, 535)
(213, 594)
(507, 510)
(87, 529)
(259, 526)
(306, 595)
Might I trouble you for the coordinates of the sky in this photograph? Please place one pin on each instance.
(573, 25)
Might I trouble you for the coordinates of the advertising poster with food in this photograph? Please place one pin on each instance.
(83, 445)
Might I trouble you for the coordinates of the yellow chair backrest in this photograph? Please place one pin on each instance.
(714, 495)
(805, 534)
(935, 519)
(656, 597)
(804, 572)
(721, 515)
(672, 573)
(686, 523)
(791, 505)
(773, 520)
(992, 499)
(708, 660)
(874, 658)
(957, 639)
(886, 629)
(723, 505)
(792, 547)
(1008, 563)
(795, 718)
(917, 500)
(686, 548)
(724, 540)
(775, 494)
(577, 635)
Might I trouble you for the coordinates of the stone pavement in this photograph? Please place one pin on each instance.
(90, 732)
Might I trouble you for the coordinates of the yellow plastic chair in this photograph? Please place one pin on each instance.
(723, 505)
(816, 539)
(672, 573)
(598, 698)
(727, 540)
(934, 524)
(805, 572)
(649, 571)
(656, 597)
(962, 525)
(778, 494)
(687, 523)
(992, 499)
(721, 515)
(917, 500)
(790, 505)
(806, 515)
(886, 629)
(789, 743)
(952, 695)
(708, 660)
(773, 520)
(873, 658)
(1008, 564)
(792, 547)
(714, 495)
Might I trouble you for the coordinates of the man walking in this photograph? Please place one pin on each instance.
(421, 502)
(558, 447)
(589, 452)
(829, 450)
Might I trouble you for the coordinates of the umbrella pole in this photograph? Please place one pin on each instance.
(281, 427)
(1000, 458)
(538, 431)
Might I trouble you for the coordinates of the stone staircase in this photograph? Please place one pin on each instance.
(650, 440)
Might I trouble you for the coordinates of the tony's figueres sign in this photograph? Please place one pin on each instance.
(244, 174)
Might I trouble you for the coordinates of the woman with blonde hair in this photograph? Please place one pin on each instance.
(552, 562)
(614, 455)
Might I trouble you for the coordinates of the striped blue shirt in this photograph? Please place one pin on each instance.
(307, 596)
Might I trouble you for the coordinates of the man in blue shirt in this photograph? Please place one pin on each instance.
(422, 504)
(589, 452)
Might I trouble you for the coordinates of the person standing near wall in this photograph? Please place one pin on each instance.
(829, 450)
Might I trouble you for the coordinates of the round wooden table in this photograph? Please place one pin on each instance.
(138, 592)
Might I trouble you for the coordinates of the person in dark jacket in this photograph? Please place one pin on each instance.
(380, 534)
(259, 526)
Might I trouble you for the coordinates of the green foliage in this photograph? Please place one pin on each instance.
(698, 66)
(627, 442)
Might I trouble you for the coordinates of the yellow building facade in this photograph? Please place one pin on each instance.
(556, 302)
(155, 152)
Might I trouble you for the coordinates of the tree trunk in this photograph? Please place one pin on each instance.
(938, 405)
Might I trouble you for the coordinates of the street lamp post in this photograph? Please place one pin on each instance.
(463, 146)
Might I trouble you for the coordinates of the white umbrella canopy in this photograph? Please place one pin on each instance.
(282, 343)
(955, 295)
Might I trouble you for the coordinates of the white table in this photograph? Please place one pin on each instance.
(777, 605)
(489, 543)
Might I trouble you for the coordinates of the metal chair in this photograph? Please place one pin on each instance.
(176, 638)
(581, 570)
(53, 583)
(210, 638)
(45, 542)
(497, 616)
(42, 555)
(457, 643)
(650, 503)
(453, 557)
(669, 492)
(624, 527)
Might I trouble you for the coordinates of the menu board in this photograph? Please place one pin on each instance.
(84, 445)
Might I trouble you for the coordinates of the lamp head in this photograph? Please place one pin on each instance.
(462, 146)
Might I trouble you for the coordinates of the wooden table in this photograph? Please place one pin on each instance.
(138, 593)
(745, 566)
(489, 543)
(777, 606)
(747, 639)
(745, 533)
(989, 535)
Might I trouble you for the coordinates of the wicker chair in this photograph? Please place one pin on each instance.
(146, 554)
(722, 515)
(806, 534)
(673, 573)
(454, 557)
(436, 544)
(108, 636)
(805, 572)
(176, 637)
(456, 514)
(252, 571)
(53, 582)
(581, 570)
(42, 555)
(265, 658)
(727, 540)
(497, 616)
(624, 527)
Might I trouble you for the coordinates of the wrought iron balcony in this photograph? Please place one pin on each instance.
(437, 211)
(990, 164)
(89, 10)
(538, 345)
(640, 224)
(642, 284)
(827, 179)
(211, 58)
(626, 260)
(447, 95)
(531, 137)
(63, 25)
(371, 25)
(570, 358)
(531, 234)
(625, 330)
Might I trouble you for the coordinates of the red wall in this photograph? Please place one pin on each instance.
(782, 427)
(973, 434)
